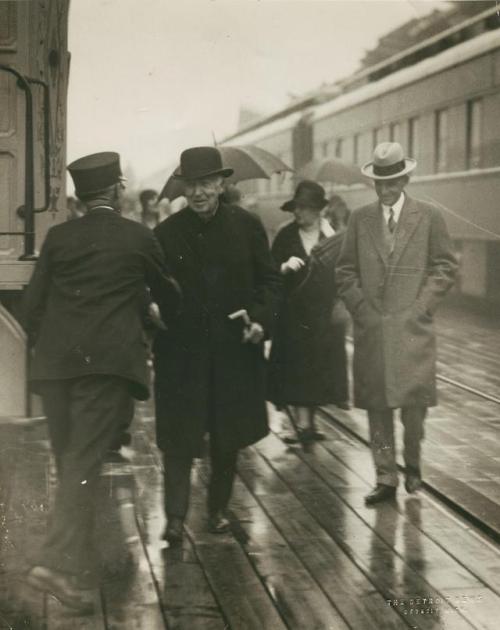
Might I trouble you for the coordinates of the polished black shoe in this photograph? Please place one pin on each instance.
(62, 588)
(380, 493)
(413, 480)
(174, 531)
(218, 523)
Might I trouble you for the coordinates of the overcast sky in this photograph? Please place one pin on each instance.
(151, 77)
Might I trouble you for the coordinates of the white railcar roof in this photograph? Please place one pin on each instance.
(267, 129)
(452, 57)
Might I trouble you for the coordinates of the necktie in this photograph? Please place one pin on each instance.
(391, 224)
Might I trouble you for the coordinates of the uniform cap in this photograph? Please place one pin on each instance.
(95, 172)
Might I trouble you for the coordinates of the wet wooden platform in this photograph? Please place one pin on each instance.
(304, 552)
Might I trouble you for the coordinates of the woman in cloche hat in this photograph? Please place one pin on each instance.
(303, 355)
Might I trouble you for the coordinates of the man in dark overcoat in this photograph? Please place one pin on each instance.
(83, 315)
(209, 364)
(395, 266)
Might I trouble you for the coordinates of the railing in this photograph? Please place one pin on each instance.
(28, 210)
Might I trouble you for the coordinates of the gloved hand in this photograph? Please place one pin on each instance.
(253, 333)
(293, 264)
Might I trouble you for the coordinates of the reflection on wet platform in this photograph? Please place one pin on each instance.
(304, 551)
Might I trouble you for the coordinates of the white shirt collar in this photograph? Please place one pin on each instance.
(397, 207)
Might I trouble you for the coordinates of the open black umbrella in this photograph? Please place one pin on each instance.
(248, 162)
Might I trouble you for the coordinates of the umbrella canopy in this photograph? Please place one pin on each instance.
(332, 170)
(248, 162)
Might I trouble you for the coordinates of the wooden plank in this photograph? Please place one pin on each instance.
(187, 600)
(437, 475)
(436, 524)
(442, 570)
(131, 600)
(359, 603)
(59, 616)
(241, 594)
(299, 597)
(23, 479)
(369, 545)
(477, 554)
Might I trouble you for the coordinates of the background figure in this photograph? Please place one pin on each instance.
(337, 213)
(303, 370)
(210, 368)
(83, 317)
(395, 266)
(164, 208)
(231, 194)
(149, 208)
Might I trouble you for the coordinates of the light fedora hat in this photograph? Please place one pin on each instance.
(388, 162)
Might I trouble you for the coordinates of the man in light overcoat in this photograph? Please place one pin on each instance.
(395, 267)
(209, 364)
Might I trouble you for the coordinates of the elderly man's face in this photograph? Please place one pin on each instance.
(389, 190)
(203, 194)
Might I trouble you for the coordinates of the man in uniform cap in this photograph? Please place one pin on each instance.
(395, 266)
(209, 364)
(83, 316)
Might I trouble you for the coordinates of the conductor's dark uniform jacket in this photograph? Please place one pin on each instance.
(85, 302)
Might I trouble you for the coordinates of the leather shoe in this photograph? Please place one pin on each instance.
(174, 532)
(380, 493)
(61, 587)
(218, 523)
(413, 480)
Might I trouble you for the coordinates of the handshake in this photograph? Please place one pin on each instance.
(252, 331)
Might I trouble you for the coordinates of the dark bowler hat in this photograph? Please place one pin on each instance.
(308, 194)
(199, 162)
(388, 162)
(95, 172)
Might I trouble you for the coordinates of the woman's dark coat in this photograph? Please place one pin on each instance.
(308, 360)
(206, 378)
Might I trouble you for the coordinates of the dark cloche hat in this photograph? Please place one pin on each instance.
(95, 172)
(199, 162)
(308, 194)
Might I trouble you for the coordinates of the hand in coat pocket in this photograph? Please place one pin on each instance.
(365, 315)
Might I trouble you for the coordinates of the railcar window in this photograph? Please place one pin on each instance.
(413, 138)
(324, 149)
(355, 149)
(338, 148)
(395, 132)
(441, 140)
(474, 132)
(375, 137)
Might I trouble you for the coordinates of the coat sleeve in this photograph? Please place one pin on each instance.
(268, 283)
(442, 265)
(164, 289)
(347, 269)
(36, 294)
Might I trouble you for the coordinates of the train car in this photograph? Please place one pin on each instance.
(34, 65)
(441, 100)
